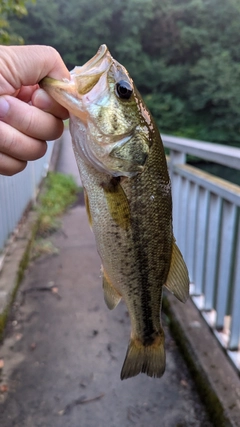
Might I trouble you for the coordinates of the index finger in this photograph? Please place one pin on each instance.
(27, 65)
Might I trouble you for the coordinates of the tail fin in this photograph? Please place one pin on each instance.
(147, 359)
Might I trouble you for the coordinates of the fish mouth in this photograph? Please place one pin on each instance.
(70, 93)
(98, 63)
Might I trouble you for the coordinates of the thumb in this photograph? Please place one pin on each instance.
(27, 65)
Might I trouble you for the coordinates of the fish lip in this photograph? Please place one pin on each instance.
(100, 62)
(93, 62)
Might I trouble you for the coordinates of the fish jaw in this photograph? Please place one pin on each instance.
(65, 93)
(71, 94)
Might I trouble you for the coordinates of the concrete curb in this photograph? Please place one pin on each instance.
(218, 382)
(15, 263)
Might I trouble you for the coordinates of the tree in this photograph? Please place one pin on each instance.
(182, 54)
(7, 9)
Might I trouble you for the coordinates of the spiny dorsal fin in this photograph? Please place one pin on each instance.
(178, 281)
(111, 296)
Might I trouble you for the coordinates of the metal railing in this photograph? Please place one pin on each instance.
(17, 191)
(206, 217)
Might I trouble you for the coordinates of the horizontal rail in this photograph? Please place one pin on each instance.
(217, 153)
(219, 186)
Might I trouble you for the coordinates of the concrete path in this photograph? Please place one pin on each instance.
(64, 350)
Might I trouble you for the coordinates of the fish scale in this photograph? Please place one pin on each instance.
(127, 189)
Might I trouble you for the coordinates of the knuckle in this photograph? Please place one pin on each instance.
(10, 166)
(38, 150)
(29, 123)
(8, 142)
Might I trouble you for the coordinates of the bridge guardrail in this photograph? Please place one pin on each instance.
(206, 218)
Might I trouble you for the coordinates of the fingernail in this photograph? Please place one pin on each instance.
(42, 100)
(4, 107)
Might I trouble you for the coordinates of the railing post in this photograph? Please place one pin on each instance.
(176, 158)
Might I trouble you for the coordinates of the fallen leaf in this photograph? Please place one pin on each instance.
(184, 383)
(18, 337)
(33, 346)
(1, 363)
(3, 388)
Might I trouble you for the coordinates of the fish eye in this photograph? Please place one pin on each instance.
(124, 89)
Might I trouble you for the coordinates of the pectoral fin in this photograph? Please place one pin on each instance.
(87, 208)
(111, 296)
(178, 281)
(117, 203)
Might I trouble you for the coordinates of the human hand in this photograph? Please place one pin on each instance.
(28, 115)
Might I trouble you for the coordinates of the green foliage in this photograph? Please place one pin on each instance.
(183, 55)
(60, 192)
(7, 9)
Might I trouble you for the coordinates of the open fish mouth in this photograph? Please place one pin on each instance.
(98, 63)
(87, 76)
(69, 93)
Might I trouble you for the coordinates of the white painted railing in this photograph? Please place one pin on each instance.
(17, 191)
(206, 216)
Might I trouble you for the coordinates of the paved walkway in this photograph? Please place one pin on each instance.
(64, 350)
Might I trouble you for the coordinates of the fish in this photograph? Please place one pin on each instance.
(127, 190)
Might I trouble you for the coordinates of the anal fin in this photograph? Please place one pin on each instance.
(111, 296)
(178, 281)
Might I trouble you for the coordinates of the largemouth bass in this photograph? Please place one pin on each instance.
(127, 190)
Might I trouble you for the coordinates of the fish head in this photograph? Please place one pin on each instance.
(111, 127)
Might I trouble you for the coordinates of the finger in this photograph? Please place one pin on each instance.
(27, 65)
(22, 147)
(30, 120)
(42, 100)
(25, 93)
(10, 166)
